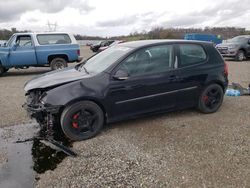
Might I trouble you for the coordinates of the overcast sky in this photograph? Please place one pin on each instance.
(119, 17)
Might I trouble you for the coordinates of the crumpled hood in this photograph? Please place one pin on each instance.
(54, 78)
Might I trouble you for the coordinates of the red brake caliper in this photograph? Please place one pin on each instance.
(205, 98)
(75, 124)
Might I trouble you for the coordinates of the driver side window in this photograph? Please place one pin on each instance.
(149, 60)
(24, 41)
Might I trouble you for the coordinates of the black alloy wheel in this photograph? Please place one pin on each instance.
(211, 98)
(82, 120)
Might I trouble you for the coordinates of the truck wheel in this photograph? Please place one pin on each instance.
(82, 120)
(58, 63)
(5, 69)
(2, 70)
(240, 56)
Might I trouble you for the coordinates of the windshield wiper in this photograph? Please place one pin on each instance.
(85, 70)
(79, 68)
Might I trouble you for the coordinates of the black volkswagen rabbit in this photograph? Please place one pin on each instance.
(127, 81)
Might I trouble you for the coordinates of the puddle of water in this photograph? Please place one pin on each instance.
(27, 158)
(17, 172)
(44, 157)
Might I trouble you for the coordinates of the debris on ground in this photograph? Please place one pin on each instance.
(237, 90)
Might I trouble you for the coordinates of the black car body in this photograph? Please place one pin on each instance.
(95, 47)
(129, 80)
(237, 47)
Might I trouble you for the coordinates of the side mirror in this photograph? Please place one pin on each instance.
(121, 75)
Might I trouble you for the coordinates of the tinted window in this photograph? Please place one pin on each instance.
(149, 60)
(191, 54)
(47, 39)
(23, 41)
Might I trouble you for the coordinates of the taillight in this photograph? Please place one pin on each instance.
(78, 52)
(225, 68)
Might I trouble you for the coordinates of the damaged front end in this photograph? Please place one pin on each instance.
(45, 114)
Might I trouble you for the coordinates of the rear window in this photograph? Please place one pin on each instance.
(191, 54)
(48, 39)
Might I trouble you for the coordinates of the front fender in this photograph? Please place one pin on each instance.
(81, 89)
(4, 54)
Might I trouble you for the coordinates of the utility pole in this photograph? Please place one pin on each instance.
(52, 27)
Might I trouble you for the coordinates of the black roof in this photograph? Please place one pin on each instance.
(141, 43)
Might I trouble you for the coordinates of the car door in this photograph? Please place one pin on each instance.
(150, 85)
(22, 51)
(193, 69)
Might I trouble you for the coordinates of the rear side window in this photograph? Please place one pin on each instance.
(191, 54)
(48, 39)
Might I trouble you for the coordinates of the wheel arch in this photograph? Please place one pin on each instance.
(53, 56)
(243, 49)
(220, 83)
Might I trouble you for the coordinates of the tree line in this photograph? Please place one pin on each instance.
(154, 33)
(178, 33)
(5, 34)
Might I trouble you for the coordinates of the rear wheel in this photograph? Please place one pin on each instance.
(240, 56)
(211, 98)
(58, 63)
(82, 120)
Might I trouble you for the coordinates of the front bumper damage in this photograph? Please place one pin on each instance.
(41, 111)
(44, 114)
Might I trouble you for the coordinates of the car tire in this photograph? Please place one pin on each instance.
(82, 120)
(211, 99)
(240, 56)
(58, 63)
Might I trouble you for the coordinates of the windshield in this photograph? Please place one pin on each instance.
(10, 40)
(103, 60)
(238, 39)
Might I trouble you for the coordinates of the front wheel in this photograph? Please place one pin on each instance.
(211, 99)
(2, 70)
(240, 56)
(6, 70)
(82, 120)
(58, 63)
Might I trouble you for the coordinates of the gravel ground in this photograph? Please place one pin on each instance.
(180, 149)
(3, 152)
